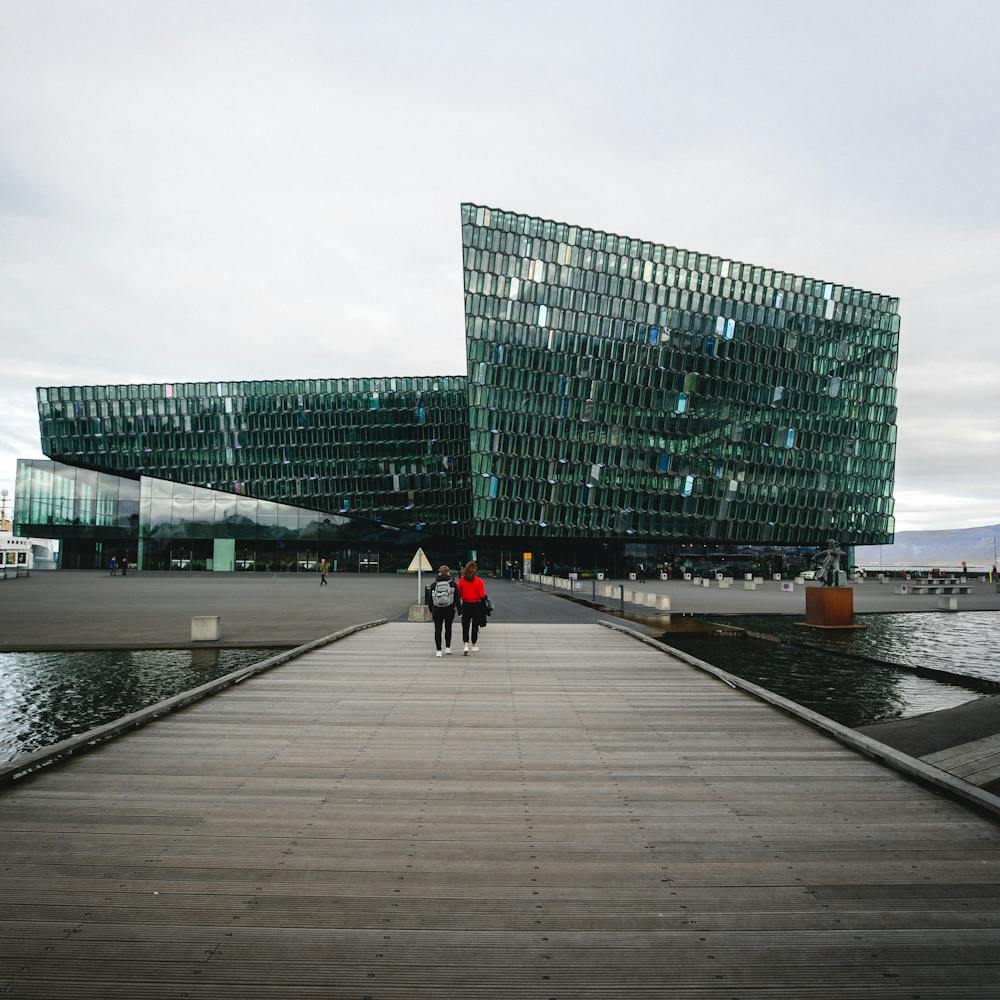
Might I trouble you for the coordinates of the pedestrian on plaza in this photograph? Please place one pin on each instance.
(472, 595)
(642, 572)
(965, 568)
(123, 563)
(442, 598)
(324, 568)
(113, 565)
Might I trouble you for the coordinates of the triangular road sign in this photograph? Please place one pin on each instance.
(418, 562)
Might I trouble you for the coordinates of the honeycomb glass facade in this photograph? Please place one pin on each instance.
(386, 448)
(619, 387)
(622, 399)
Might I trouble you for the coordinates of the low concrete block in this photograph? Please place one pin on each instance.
(902, 589)
(695, 580)
(758, 579)
(725, 584)
(748, 576)
(706, 583)
(205, 628)
(664, 576)
(627, 596)
(420, 613)
(687, 576)
(749, 585)
(800, 580)
(948, 602)
(662, 602)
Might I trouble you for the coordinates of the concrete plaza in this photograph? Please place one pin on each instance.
(82, 610)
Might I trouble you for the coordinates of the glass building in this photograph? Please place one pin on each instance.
(623, 399)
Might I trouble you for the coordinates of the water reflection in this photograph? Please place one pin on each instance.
(849, 691)
(48, 697)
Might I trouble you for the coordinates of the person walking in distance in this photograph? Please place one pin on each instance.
(113, 565)
(324, 568)
(442, 598)
(472, 594)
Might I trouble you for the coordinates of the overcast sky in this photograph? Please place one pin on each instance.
(211, 190)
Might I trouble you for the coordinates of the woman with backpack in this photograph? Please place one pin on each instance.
(472, 594)
(442, 600)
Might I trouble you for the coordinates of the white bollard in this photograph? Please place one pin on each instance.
(749, 585)
(758, 579)
(662, 602)
(205, 628)
(706, 583)
(948, 602)
(725, 584)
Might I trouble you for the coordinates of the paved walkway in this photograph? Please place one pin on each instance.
(566, 814)
(768, 599)
(79, 610)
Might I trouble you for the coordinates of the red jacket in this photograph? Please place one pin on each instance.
(471, 590)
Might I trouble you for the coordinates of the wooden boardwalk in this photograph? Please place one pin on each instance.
(566, 814)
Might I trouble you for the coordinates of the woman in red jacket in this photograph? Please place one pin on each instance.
(472, 593)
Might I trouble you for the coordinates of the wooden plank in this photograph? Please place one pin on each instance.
(568, 813)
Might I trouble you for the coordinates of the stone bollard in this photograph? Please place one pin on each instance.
(205, 628)
(706, 583)
(725, 584)
(749, 585)
(948, 602)
(800, 580)
(662, 602)
(420, 613)
(627, 596)
(758, 579)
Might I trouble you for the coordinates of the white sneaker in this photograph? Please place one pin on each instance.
(438, 653)
(475, 649)
(465, 651)
(448, 651)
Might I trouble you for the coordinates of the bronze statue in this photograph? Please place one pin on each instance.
(828, 561)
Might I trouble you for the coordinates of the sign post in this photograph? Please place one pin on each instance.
(419, 563)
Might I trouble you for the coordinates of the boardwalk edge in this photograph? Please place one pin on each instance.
(913, 767)
(28, 764)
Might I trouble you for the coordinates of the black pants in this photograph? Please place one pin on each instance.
(445, 617)
(471, 616)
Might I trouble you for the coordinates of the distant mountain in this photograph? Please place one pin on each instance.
(944, 549)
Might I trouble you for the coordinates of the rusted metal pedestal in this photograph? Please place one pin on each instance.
(830, 608)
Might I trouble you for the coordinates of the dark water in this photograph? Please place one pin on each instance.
(853, 692)
(48, 697)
